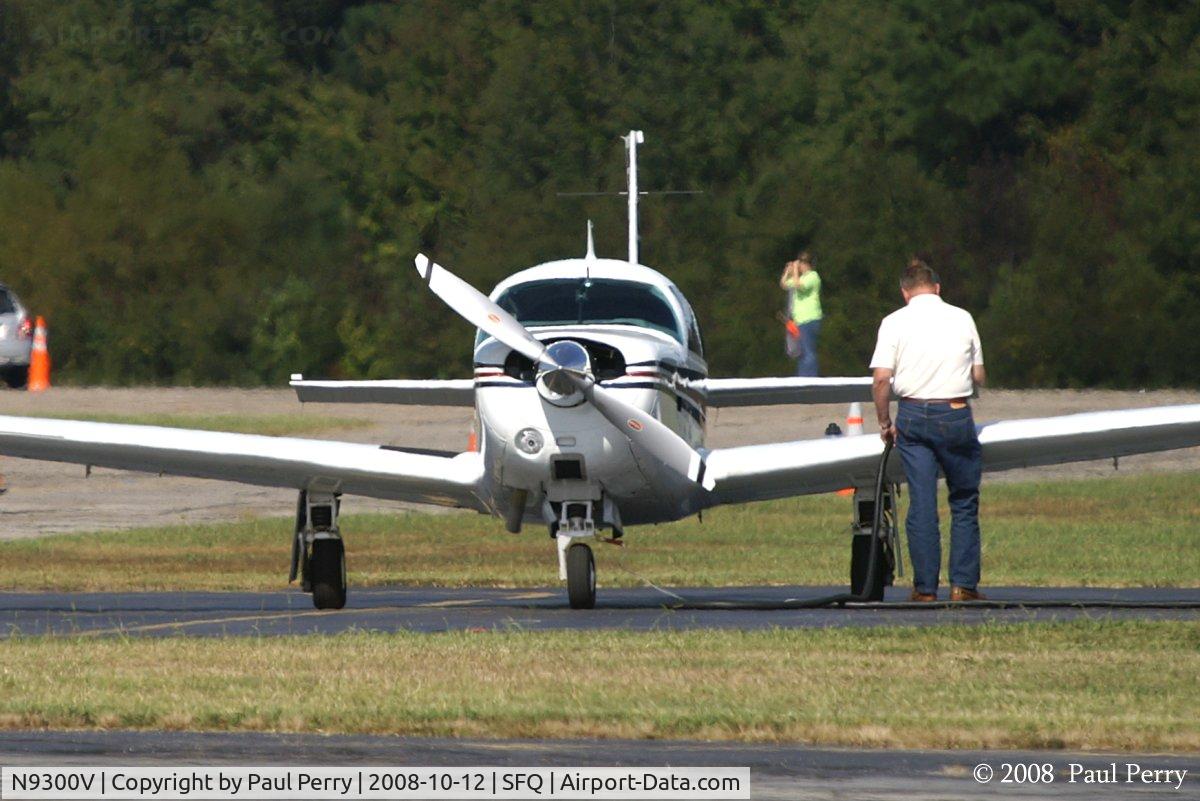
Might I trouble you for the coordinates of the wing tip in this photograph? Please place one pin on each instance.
(422, 262)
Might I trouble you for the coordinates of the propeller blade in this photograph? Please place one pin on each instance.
(478, 309)
(640, 427)
(645, 430)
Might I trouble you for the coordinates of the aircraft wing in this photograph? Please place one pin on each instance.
(761, 472)
(454, 392)
(290, 462)
(773, 391)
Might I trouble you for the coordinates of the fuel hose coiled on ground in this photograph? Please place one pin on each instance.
(838, 599)
(874, 560)
(874, 564)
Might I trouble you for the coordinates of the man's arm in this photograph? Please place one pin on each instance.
(881, 391)
(978, 374)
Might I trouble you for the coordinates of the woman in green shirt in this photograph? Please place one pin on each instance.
(804, 288)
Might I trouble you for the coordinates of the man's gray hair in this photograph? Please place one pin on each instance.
(918, 274)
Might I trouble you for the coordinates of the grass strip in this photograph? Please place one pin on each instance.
(1077, 685)
(1121, 531)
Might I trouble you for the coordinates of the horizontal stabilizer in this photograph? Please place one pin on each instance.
(454, 392)
(775, 391)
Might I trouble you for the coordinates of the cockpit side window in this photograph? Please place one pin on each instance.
(695, 342)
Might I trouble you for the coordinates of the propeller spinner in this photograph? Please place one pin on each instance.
(558, 382)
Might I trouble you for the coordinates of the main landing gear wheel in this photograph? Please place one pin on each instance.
(581, 576)
(327, 567)
(860, 563)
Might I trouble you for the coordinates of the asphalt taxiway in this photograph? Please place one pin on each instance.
(776, 771)
(426, 609)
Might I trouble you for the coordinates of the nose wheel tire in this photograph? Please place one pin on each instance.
(581, 576)
(328, 571)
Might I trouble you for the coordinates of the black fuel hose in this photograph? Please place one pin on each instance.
(863, 601)
(838, 599)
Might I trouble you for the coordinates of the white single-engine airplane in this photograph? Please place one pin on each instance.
(591, 392)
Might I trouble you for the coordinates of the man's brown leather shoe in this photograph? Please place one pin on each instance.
(963, 594)
(922, 597)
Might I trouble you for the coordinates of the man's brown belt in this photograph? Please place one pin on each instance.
(937, 400)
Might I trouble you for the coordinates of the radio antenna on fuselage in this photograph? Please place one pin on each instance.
(590, 256)
(632, 140)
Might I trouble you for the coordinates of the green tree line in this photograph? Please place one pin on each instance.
(215, 191)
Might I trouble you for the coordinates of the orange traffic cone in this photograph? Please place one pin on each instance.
(854, 427)
(854, 420)
(39, 359)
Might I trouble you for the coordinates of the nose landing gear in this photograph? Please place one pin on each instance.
(581, 576)
(576, 564)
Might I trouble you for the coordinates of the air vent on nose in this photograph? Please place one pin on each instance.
(566, 468)
(520, 367)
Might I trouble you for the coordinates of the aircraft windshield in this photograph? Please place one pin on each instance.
(569, 301)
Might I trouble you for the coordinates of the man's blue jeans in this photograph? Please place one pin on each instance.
(933, 435)
(806, 365)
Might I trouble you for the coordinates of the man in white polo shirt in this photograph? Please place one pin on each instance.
(929, 354)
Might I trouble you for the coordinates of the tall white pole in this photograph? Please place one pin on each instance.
(631, 142)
